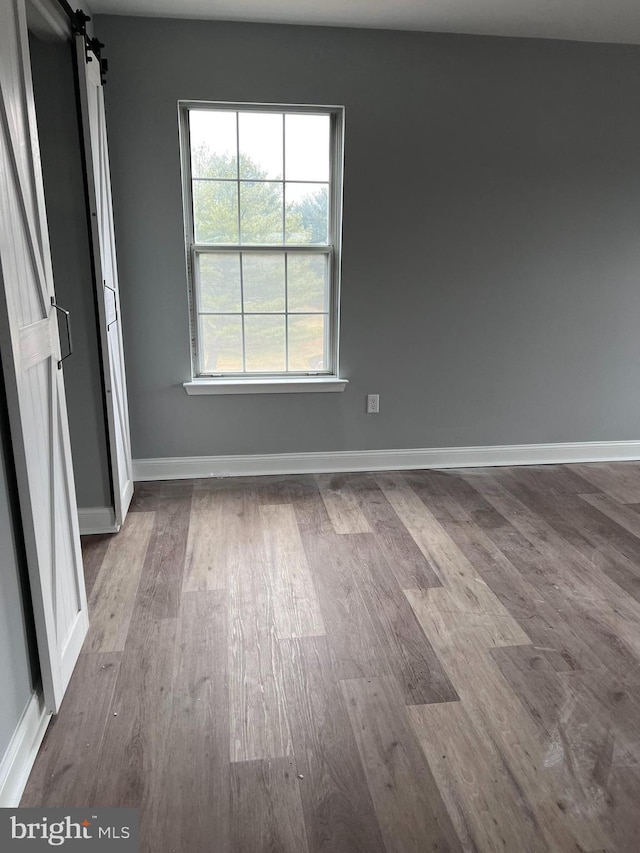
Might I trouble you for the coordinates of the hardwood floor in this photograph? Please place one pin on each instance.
(400, 662)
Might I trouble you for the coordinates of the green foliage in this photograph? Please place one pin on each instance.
(205, 164)
(215, 204)
(313, 211)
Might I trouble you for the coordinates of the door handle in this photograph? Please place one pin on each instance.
(67, 318)
(115, 305)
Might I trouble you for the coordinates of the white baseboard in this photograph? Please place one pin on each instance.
(96, 519)
(185, 467)
(19, 758)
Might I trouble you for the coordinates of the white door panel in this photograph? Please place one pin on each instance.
(35, 385)
(106, 274)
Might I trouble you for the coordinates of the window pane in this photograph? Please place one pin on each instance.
(264, 342)
(307, 285)
(261, 153)
(307, 212)
(307, 342)
(215, 211)
(219, 277)
(263, 282)
(261, 212)
(221, 339)
(307, 147)
(214, 144)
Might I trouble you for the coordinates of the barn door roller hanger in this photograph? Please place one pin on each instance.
(93, 46)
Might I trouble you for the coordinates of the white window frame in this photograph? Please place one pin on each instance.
(283, 381)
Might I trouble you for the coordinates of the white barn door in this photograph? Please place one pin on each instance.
(106, 275)
(30, 348)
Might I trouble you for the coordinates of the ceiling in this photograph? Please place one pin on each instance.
(582, 20)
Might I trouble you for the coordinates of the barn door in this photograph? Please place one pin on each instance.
(30, 348)
(106, 275)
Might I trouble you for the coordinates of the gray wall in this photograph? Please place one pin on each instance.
(58, 130)
(491, 217)
(18, 663)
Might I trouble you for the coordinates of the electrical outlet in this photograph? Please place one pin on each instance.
(373, 404)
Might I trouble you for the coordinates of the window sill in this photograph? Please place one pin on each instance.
(284, 385)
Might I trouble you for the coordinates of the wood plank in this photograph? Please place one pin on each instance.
(453, 569)
(145, 496)
(94, 548)
(257, 703)
(587, 746)
(266, 811)
(580, 583)
(409, 654)
(539, 564)
(150, 495)
(487, 806)
(296, 609)
(161, 580)
(271, 490)
(136, 731)
(410, 809)
(620, 480)
(535, 682)
(581, 578)
(311, 513)
(458, 621)
(544, 480)
(352, 635)
(606, 545)
(457, 573)
(64, 772)
(510, 565)
(598, 630)
(548, 480)
(543, 771)
(194, 805)
(396, 545)
(342, 506)
(624, 785)
(625, 516)
(339, 814)
(282, 488)
(612, 702)
(437, 484)
(215, 525)
(113, 595)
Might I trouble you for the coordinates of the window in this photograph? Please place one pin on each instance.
(262, 198)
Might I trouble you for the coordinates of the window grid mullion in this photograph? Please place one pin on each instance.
(284, 240)
(284, 154)
(243, 331)
(238, 172)
(196, 296)
(258, 181)
(244, 351)
(307, 248)
(286, 309)
(263, 314)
